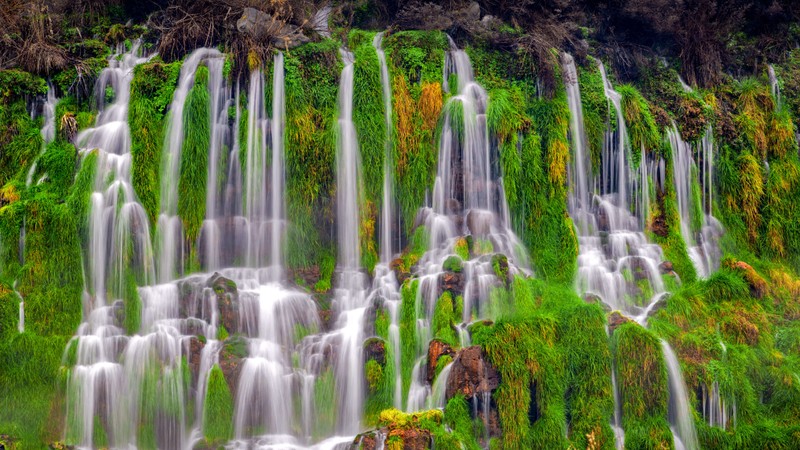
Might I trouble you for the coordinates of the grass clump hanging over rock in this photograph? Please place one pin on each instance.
(218, 409)
(312, 77)
(643, 385)
(416, 60)
(194, 162)
(151, 94)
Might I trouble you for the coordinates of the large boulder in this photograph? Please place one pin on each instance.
(472, 374)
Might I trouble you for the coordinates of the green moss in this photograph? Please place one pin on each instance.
(453, 264)
(325, 401)
(643, 133)
(408, 332)
(461, 248)
(445, 316)
(598, 114)
(218, 409)
(20, 138)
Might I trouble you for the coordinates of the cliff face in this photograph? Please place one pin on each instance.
(577, 223)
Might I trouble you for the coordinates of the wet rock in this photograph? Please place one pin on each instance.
(615, 319)
(231, 358)
(472, 374)
(479, 222)
(305, 276)
(595, 299)
(264, 27)
(436, 349)
(453, 282)
(195, 352)
(659, 304)
(227, 301)
(666, 267)
(375, 349)
(368, 440)
(400, 273)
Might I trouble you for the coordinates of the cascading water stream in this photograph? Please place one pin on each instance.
(680, 410)
(48, 129)
(473, 205)
(210, 235)
(385, 283)
(774, 85)
(119, 247)
(700, 230)
(170, 228)
(350, 293)
(615, 259)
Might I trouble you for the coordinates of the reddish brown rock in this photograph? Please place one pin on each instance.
(472, 374)
(195, 351)
(615, 319)
(231, 358)
(437, 349)
(413, 438)
(666, 267)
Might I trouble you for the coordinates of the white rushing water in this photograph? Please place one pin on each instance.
(170, 228)
(616, 262)
(48, 131)
(681, 416)
(693, 176)
(471, 205)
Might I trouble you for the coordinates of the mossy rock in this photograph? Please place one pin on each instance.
(453, 263)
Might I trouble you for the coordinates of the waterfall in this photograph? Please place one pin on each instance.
(614, 253)
(350, 292)
(680, 410)
(774, 86)
(48, 129)
(118, 224)
(472, 205)
(278, 190)
(169, 224)
(210, 234)
(384, 285)
(702, 239)
(119, 241)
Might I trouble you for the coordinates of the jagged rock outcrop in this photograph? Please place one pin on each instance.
(436, 349)
(615, 319)
(472, 374)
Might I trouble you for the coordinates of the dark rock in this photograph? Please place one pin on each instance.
(195, 352)
(425, 16)
(227, 301)
(472, 374)
(436, 349)
(453, 282)
(616, 319)
(375, 349)
(665, 267)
